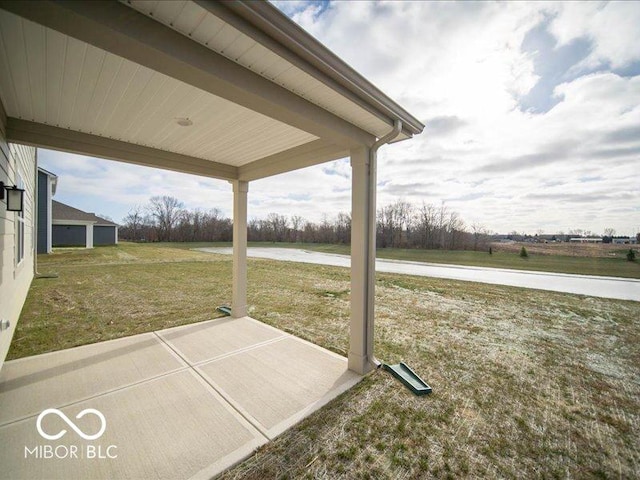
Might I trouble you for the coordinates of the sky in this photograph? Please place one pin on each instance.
(532, 114)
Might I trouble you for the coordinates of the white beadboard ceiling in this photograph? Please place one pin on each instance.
(50, 78)
(193, 21)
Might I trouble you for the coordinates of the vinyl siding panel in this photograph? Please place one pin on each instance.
(15, 277)
(43, 212)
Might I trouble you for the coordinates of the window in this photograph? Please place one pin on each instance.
(20, 226)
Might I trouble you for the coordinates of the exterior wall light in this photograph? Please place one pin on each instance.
(15, 197)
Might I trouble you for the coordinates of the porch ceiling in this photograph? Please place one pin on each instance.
(197, 21)
(112, 79)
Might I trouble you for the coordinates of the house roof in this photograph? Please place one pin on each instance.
(62, 212)
(47, 172)
(52, 177)
(116, 79)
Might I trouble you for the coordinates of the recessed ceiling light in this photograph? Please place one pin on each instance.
(184, 122)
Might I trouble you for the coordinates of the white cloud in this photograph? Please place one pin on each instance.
(425, 53)
(611, 26)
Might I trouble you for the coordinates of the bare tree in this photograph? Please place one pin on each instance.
(216, 227)
(455, 230)
(343, 228)
(399, 224)
(425, 221)
(442, 224)
(133, 223)
(165, 211)
(394, 223)
(296, 223)
(479, 233)
(279, 225)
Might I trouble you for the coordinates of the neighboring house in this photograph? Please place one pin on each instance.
(75, 228)
(61, 225)
(47, 183)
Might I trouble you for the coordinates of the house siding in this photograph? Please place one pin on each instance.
(69, 235)
(43, 212)
(15, 277)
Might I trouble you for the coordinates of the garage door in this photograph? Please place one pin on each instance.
(69, 236)
(104, 235)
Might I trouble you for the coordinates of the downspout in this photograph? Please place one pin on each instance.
(371, 253)
(34, 232)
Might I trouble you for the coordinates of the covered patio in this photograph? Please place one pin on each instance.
(229, 90)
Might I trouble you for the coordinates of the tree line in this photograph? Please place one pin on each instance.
(399, 225)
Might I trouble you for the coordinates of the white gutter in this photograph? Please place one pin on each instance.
(267, 25)
(371, 254)
(36, 201)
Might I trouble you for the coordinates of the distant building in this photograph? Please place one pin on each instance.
(47, 183)
(61, 225)
(547, 238)
(585, 240)
(624, 240)
(75, 228)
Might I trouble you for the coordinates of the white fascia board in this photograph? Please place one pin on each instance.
(266, 24)
(72, 222)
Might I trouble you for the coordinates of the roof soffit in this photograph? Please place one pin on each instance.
(123, 31)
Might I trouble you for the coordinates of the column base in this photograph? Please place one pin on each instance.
(360, 364)
(238, 312)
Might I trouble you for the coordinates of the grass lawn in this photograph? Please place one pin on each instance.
(526, 383)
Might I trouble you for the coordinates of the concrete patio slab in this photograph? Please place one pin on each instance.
(277, 384)
(29, 385)
(187, 402)
(200, 342)
(169, 427)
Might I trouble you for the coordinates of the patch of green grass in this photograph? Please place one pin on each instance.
(527, 383)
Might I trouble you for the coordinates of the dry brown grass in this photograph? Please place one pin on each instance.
(605, 250)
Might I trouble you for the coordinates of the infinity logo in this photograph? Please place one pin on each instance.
(71, 424)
